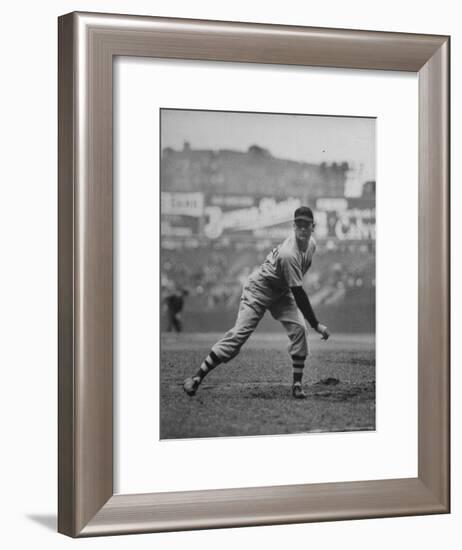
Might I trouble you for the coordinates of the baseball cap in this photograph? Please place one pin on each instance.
(304, 213)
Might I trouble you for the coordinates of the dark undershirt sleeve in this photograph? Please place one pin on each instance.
(304, 305)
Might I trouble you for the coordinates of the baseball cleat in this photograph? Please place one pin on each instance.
(298, 392)
(190, 385)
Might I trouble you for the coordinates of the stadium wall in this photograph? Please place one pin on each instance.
(338, 319)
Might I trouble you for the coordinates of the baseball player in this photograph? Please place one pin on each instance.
(276, 286)
(174, 302)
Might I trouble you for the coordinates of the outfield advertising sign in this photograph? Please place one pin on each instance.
(215, 217)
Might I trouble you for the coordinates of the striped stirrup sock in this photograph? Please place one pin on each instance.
(298, 363)
(209, 363)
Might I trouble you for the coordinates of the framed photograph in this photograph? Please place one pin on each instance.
(227, 233)
(218, 198)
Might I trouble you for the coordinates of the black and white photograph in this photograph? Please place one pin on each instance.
(268, 273)
(229, 288)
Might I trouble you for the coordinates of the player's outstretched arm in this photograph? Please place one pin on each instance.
(304, 305)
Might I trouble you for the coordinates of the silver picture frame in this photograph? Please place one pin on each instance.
(88, 43)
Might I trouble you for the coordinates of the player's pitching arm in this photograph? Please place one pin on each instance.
(304, 305)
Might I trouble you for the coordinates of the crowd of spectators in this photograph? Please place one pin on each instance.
(214, 278)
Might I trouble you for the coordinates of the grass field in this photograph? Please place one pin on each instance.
(251, 395)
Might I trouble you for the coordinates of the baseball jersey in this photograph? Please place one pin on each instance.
(285, 265)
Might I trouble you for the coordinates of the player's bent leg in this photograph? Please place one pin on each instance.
(298, 349)
(248, 317)
(298, 340)
(298, 364)
(228, 346)
(286, 311)
(191, 385)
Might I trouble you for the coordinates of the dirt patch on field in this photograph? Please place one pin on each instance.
(251, 395)
(330, 391)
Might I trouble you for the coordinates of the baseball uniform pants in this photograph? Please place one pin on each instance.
(253, 304)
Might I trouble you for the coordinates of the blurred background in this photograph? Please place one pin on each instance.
(223, 208)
